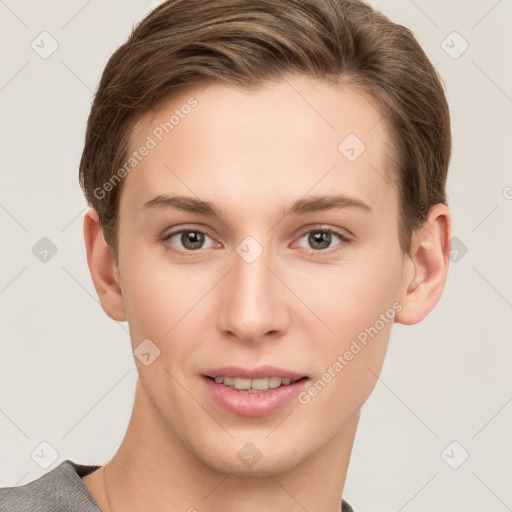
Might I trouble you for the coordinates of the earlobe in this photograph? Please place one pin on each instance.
(426, 267)
(104, 271)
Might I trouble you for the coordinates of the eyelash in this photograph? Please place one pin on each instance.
(311, 252)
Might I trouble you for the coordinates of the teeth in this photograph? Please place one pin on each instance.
(254, 385)
(274, 382)
(242, 383)
(260, 384)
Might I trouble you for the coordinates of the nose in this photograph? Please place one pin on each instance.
(253, 298)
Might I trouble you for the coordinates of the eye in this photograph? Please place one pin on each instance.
(190, 239)
(187, 241)
(320, 240)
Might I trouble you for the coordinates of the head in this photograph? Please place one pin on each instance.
(252, 112)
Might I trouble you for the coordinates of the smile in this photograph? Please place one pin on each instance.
(254, 385)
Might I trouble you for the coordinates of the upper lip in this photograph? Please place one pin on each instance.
(260, 372)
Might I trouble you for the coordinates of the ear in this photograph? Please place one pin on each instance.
(426, 268)
(104, 271)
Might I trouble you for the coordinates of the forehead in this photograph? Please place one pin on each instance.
(291, 135)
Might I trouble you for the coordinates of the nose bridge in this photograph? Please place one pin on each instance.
(253, 304)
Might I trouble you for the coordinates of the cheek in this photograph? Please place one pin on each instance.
(164, 301)
(151, 295)
(352, 295)
(348, 363)
(358, 304)
(346, 381)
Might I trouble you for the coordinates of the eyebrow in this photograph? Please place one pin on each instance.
(299, 207)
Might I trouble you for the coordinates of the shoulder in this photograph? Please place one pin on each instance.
(59, 490)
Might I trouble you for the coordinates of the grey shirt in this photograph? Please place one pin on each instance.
(60, 490)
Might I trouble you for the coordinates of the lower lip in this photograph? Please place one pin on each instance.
(244, 403)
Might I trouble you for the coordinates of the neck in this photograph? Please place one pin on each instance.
(153, 470)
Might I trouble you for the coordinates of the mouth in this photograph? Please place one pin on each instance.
(259, 385)
(253, 391)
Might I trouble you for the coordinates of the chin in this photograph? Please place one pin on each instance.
(253, 457)
(262, 468)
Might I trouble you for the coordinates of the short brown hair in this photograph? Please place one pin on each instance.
(185, 43)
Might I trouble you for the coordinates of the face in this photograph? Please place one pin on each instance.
(275, 276)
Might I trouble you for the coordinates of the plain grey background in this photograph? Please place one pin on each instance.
(435, 433)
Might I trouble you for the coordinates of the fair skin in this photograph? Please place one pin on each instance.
(252, 154)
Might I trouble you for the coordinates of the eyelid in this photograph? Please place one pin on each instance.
(178, 229)
(343, 233)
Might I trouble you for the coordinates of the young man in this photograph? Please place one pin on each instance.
(266, 182)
